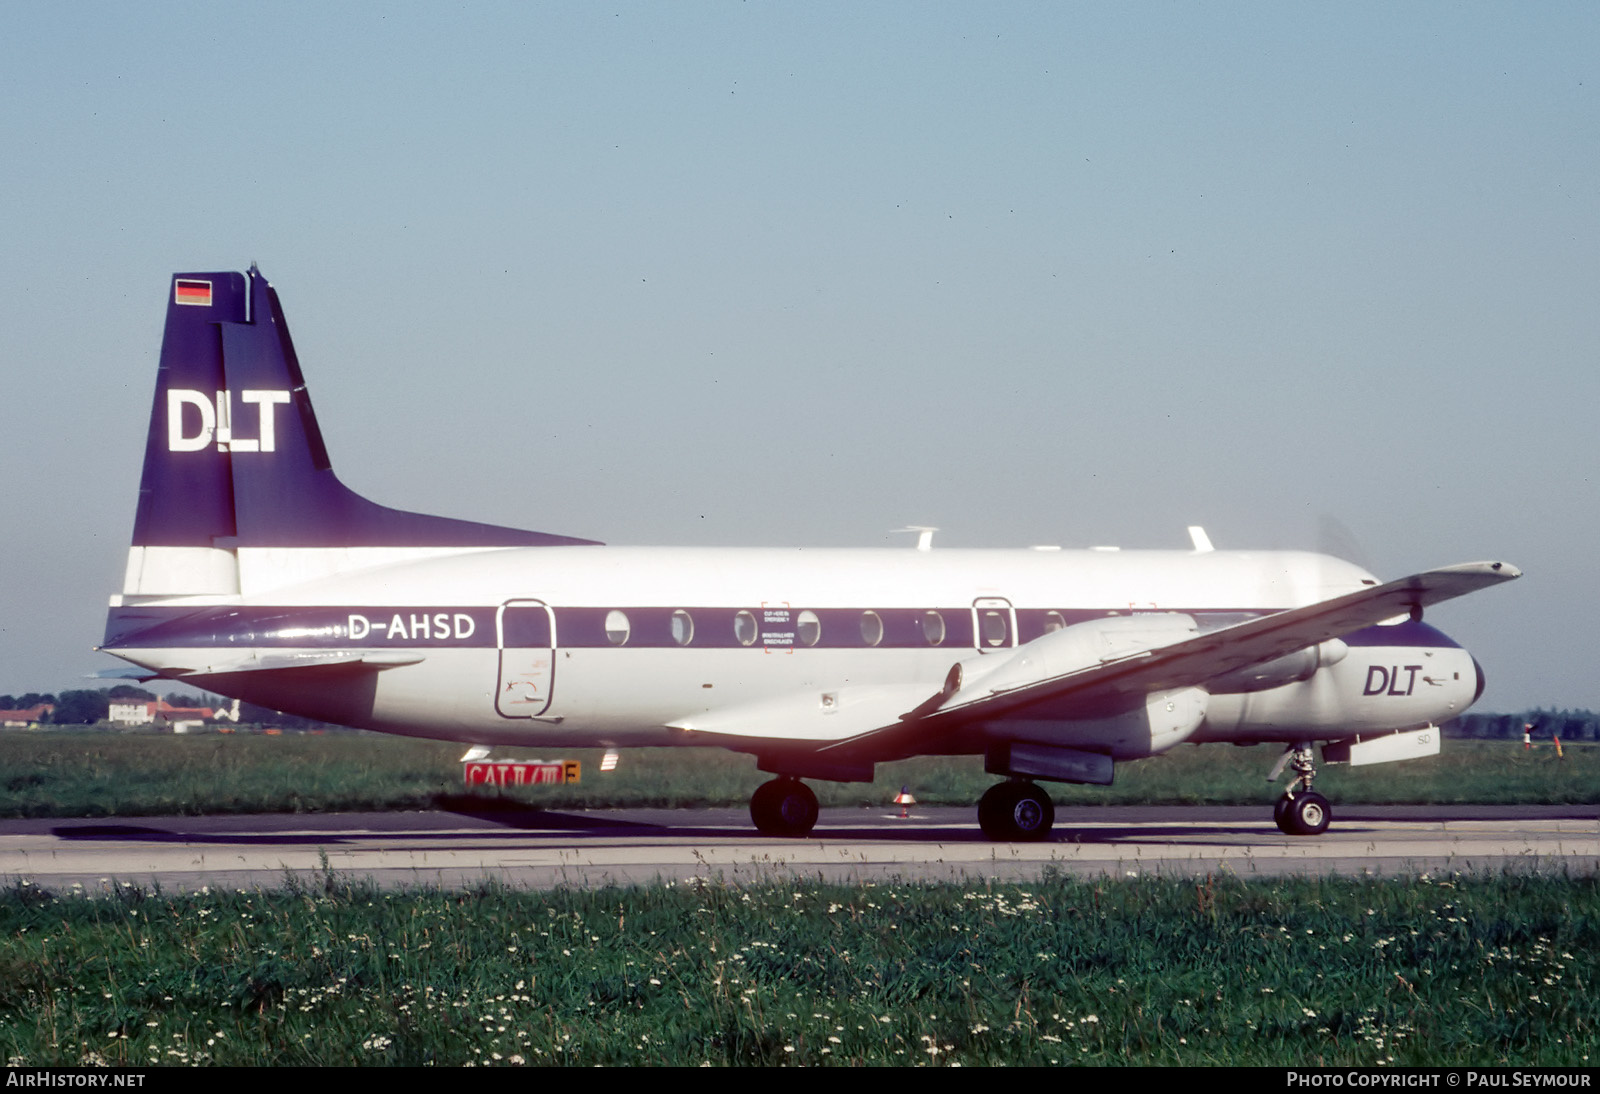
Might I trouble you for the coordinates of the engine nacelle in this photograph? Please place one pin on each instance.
(1162, 720)
(1291, 668)
(1137, 725)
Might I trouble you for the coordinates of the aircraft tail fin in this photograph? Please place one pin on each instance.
(234, 457)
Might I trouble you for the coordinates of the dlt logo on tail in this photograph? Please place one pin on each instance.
(216, 421)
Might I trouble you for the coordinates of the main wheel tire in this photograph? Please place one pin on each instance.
(992, 810)
(1310, 814)
(1014, 812)
(784, 807)
(1280, 816)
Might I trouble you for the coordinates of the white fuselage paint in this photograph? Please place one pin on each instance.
(634, 695)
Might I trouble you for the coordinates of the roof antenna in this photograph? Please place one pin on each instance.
(924, 535)
(250, 297)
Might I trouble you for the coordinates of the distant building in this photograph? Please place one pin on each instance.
(23, 718)
(144, 712)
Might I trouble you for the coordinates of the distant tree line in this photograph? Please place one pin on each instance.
(25, 700)
(1569, 725)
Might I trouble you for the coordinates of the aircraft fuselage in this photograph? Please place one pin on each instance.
(576, 646)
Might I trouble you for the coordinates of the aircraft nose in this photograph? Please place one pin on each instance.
(1479, 670)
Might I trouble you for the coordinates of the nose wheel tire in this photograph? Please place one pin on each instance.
(784, 807)
(1014, 812)
(1306, 813)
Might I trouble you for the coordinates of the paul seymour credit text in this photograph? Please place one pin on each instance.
(1463, 1078)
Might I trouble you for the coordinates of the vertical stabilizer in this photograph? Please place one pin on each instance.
(235, 459)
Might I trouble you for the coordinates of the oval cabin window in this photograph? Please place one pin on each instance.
(808, 628)
(871, 628)
(682, 627)
(617, 628)
(744, 628)
(994, 628)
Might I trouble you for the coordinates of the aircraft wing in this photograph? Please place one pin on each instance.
(1054, 676)
(1193, 661)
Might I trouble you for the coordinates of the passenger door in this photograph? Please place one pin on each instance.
(527, 638)
(994, 624)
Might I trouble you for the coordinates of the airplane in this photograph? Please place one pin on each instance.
(254, 572)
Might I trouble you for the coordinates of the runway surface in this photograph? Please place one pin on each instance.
(643, 846)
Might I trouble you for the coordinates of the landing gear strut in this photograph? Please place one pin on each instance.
(784, 807)
(1301, 811)
(1016, 811)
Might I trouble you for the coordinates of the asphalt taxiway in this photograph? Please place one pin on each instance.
(643, 846)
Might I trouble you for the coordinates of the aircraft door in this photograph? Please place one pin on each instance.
(994, 624)
(527, 639)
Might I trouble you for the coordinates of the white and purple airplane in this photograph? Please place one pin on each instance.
(256, 573)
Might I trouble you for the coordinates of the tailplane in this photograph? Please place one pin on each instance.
(235, 460)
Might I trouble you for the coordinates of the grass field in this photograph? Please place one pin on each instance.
(1451, 970)
(124, 774)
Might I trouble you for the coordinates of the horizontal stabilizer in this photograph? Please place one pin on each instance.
(126, 672)
(374, 660)
(120, 672)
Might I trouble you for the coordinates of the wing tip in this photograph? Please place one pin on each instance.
(1498, 571)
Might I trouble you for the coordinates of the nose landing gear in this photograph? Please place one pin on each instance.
(1301, 811)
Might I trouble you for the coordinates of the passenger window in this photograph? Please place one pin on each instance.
(808, 628)
(617, 628)
(744, 628)
(933, 627)
(871, 628)
(1054, 622)
(682, 627)
(994, 628)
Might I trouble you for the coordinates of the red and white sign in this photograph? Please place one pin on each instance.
(522, 772)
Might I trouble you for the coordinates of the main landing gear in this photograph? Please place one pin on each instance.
(784, 807)
(1301, 811)
(1016, 811)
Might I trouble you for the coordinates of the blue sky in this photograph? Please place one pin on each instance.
(802, 274)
